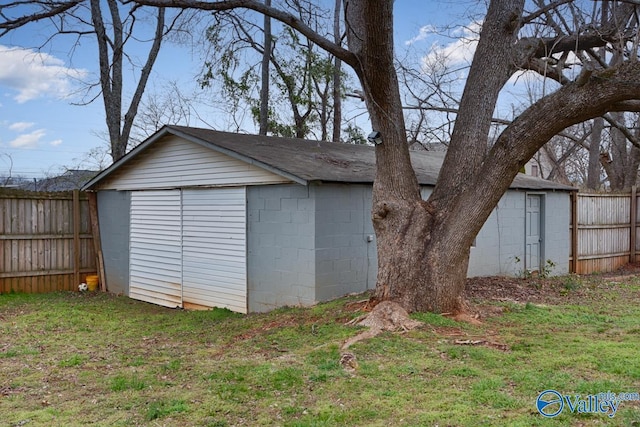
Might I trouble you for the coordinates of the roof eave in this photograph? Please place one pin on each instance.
(238, 156)
(125, 159)
(168, 130)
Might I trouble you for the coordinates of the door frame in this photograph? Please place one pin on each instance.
(541, 231)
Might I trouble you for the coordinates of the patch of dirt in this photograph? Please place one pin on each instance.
(509, 289)
(9, 390)
(625, 271)
(480, 295)
(539, 290)
(261, 329)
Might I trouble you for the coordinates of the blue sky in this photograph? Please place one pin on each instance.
(42, 131)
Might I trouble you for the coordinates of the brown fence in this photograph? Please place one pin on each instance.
(46, 241)
(605, 237)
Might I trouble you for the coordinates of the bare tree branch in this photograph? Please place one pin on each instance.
(275, 13)
(49, 10)
(542, 11)
(633, 139)
(130, 116)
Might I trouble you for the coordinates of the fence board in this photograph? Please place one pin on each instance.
(605, 237)
(45, 244)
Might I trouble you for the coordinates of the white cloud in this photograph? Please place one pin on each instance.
(423, 33)
(28, 140)
(457, 53)
(56, 142)
(20, 126)
(34, 74)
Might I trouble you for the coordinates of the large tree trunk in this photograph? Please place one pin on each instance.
(631, 174)
(264, 75)
(337, 76)
(423, 246)
(593, 171)
(399, 217)
(111, 80)
(412, 232)
(619, 154)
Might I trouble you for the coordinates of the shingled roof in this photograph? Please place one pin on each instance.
(305, 161)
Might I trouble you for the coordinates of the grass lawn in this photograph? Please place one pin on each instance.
(71, 359)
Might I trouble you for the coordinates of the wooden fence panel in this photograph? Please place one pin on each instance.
(43, 249)
(45, 245)
(606, 228)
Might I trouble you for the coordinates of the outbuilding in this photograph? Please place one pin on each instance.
(197, 218)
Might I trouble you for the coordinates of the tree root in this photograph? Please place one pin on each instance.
(385, 316)
(388, 316)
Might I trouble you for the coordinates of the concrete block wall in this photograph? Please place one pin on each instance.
(280, 246)
(500, 248)
(488, 256)
(500, 242)
(344, 238)
(113, 215)
(310, 244)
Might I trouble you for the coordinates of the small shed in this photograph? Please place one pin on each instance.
(198, 218)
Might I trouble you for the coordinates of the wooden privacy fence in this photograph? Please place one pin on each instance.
(603, 231)
(46, 241)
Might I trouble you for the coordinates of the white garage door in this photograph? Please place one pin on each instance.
(155, 253)
(214, 248)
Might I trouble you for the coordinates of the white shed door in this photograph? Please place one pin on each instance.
(533, 248)
(214, 248)
(155, 254)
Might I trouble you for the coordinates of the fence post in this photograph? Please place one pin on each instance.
(574, 232)
(633, 215)
(76, 239)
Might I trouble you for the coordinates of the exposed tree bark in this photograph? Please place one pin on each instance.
(400, 216)
(631, 176)
(442, 245)
(619, 155)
